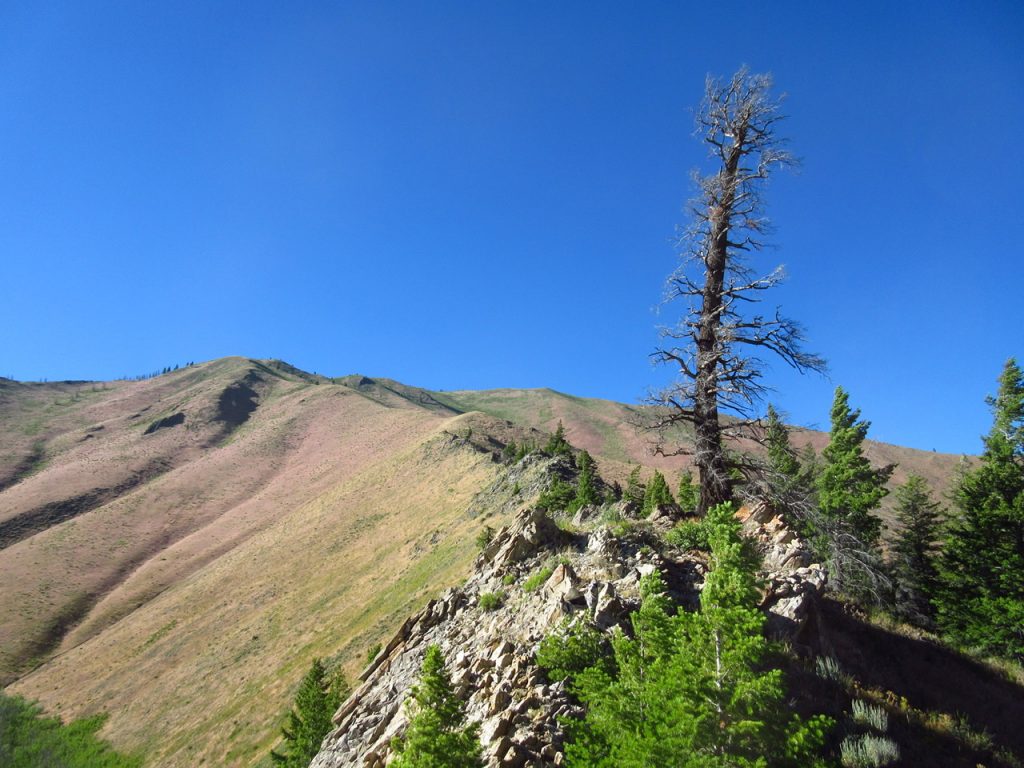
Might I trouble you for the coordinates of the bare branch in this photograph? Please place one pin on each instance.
(715, 346)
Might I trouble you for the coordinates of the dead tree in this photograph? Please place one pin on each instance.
(717, 345)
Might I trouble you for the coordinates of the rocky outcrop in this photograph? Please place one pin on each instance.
(492, 653)
(793, 582)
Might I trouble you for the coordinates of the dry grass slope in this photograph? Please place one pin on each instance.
(196, 599)
(175, 551)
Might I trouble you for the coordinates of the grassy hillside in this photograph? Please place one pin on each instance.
(175, 551)
(188, 603)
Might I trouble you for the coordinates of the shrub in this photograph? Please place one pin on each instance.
(558, 497)
(868, 751)
(491, 601)
(439, 732)
(484, 537)
(870, 716)
(690, 535)
(537, 579)
(28, 739)
(828, 668)
(572, 648)
(372, 652)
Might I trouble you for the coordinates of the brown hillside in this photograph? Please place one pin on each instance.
(175, 551)
(290, 517)
(606, 429)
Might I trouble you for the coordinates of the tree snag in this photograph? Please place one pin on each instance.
(717, 343)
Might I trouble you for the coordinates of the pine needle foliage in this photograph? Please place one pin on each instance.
(634, 487)
(781, 456)
(438, 735)
(688, 495)
(310, 719)
(980, 601)
(915, 549)
(557, 445)
(657, 493)
(694, 690)
(586, 483)
(849, 488)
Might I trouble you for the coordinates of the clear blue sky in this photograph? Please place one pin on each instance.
(476, 195)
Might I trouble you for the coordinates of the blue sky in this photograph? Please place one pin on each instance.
(476, 195)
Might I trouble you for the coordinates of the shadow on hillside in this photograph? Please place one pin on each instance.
(931, 679)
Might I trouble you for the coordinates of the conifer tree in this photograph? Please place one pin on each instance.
(693, 690)
(915, 548)
(634, 487)
(789, 481)
(557, 445)
(586, 488)
(688, 495)
(657, 493)
(849, 488)
(310, 719)
(782, 459)
(980, 601)
(810, 468)
(438, 735)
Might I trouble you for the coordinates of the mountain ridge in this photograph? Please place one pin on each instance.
(263, 469)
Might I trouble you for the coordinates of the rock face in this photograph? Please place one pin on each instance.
(491, 653)
(793, 582)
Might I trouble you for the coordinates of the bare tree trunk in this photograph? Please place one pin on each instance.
(715, 485)
(716, 345)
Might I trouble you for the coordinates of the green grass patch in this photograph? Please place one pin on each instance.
(28, 740)
(491, 601)
(160, 633)
(537, 580)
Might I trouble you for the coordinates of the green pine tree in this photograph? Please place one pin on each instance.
(586, 488)
(557, 445)
(689, 492)
(310, 719)
(634, 487)
(810, 469)
(915, 548)
(657, 493)
(693, 690)
(510, 451)
(438, 735)
(849, 488)
(782, 459)
(980, 600)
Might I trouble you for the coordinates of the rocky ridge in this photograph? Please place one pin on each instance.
(491, 655)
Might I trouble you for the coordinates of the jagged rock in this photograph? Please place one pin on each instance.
(533, 530)
(627, 509)
(564, 584)
(586, 514)
(491, 655)
(795, 583)
(665, 516)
